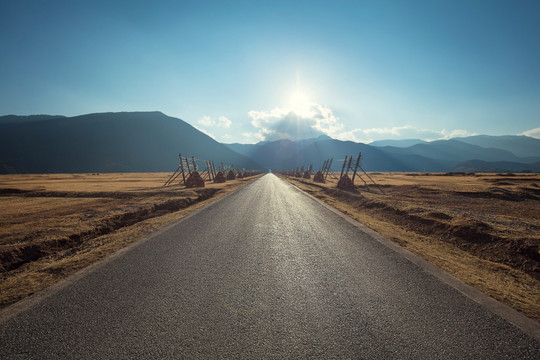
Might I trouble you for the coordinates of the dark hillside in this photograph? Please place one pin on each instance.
(107, 142)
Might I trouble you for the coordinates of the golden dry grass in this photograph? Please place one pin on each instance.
(68, 221)
(483, 229)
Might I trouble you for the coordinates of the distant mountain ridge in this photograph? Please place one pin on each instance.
(454, 150)
(151, 141)
(520, 145)
(442, 155)
(18, 119)
(106, 142)
(397, 143)
(275, 153)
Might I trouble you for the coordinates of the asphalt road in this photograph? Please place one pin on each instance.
(266, 272)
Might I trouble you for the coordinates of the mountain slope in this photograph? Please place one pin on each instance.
(397, 143)
(107, 142)
(520, 145)
(151, 141)
(442, 155)
(272, 154)
(372, 158)
(18, 119)
(268, 154)
(286, 154)
(453, 150)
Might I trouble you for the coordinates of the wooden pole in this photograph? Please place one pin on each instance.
(208, 170)
(169, 181)
(356, 166)
(182, 167)
(369, 177)
(343, 167)
(328, 167)
(187, 165)
(213, 170)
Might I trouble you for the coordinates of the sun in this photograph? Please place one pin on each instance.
(299, 102)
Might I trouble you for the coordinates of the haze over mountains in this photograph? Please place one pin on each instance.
(151, 141)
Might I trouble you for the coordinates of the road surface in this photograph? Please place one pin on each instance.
(266, 272)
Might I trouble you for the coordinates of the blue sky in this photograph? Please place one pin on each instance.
(245, 71)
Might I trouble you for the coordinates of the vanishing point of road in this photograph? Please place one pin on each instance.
(266, 272)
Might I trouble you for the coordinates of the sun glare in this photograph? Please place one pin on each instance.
(299, 102)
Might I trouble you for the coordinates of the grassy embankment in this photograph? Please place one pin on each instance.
(53, 225)
(484, 229)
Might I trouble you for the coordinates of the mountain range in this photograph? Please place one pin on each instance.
(497, 153)
(442, 155)
(106, 142)
(151, 141)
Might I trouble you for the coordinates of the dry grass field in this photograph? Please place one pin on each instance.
(483, 228)
(54, 225)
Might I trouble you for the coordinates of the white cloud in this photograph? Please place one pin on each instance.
(206, 132)
(314, 120)
(449, 134)
(286, 123)
(352, 135)
(206, 121)
(535, 133)
(396, 130)
(221, 121)
(399, 132)
(251, 138)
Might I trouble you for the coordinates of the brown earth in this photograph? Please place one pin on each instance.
(345, 183)
(219, 178)
(54, 225)
(194, 180)
(319, 177)
(483, 229)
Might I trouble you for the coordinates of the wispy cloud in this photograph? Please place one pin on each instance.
(251, 138)
(399, 132)
(221, 121)
(205, 121)
(205, 132)
(449, 134)
(535, 133)
(224, 122)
